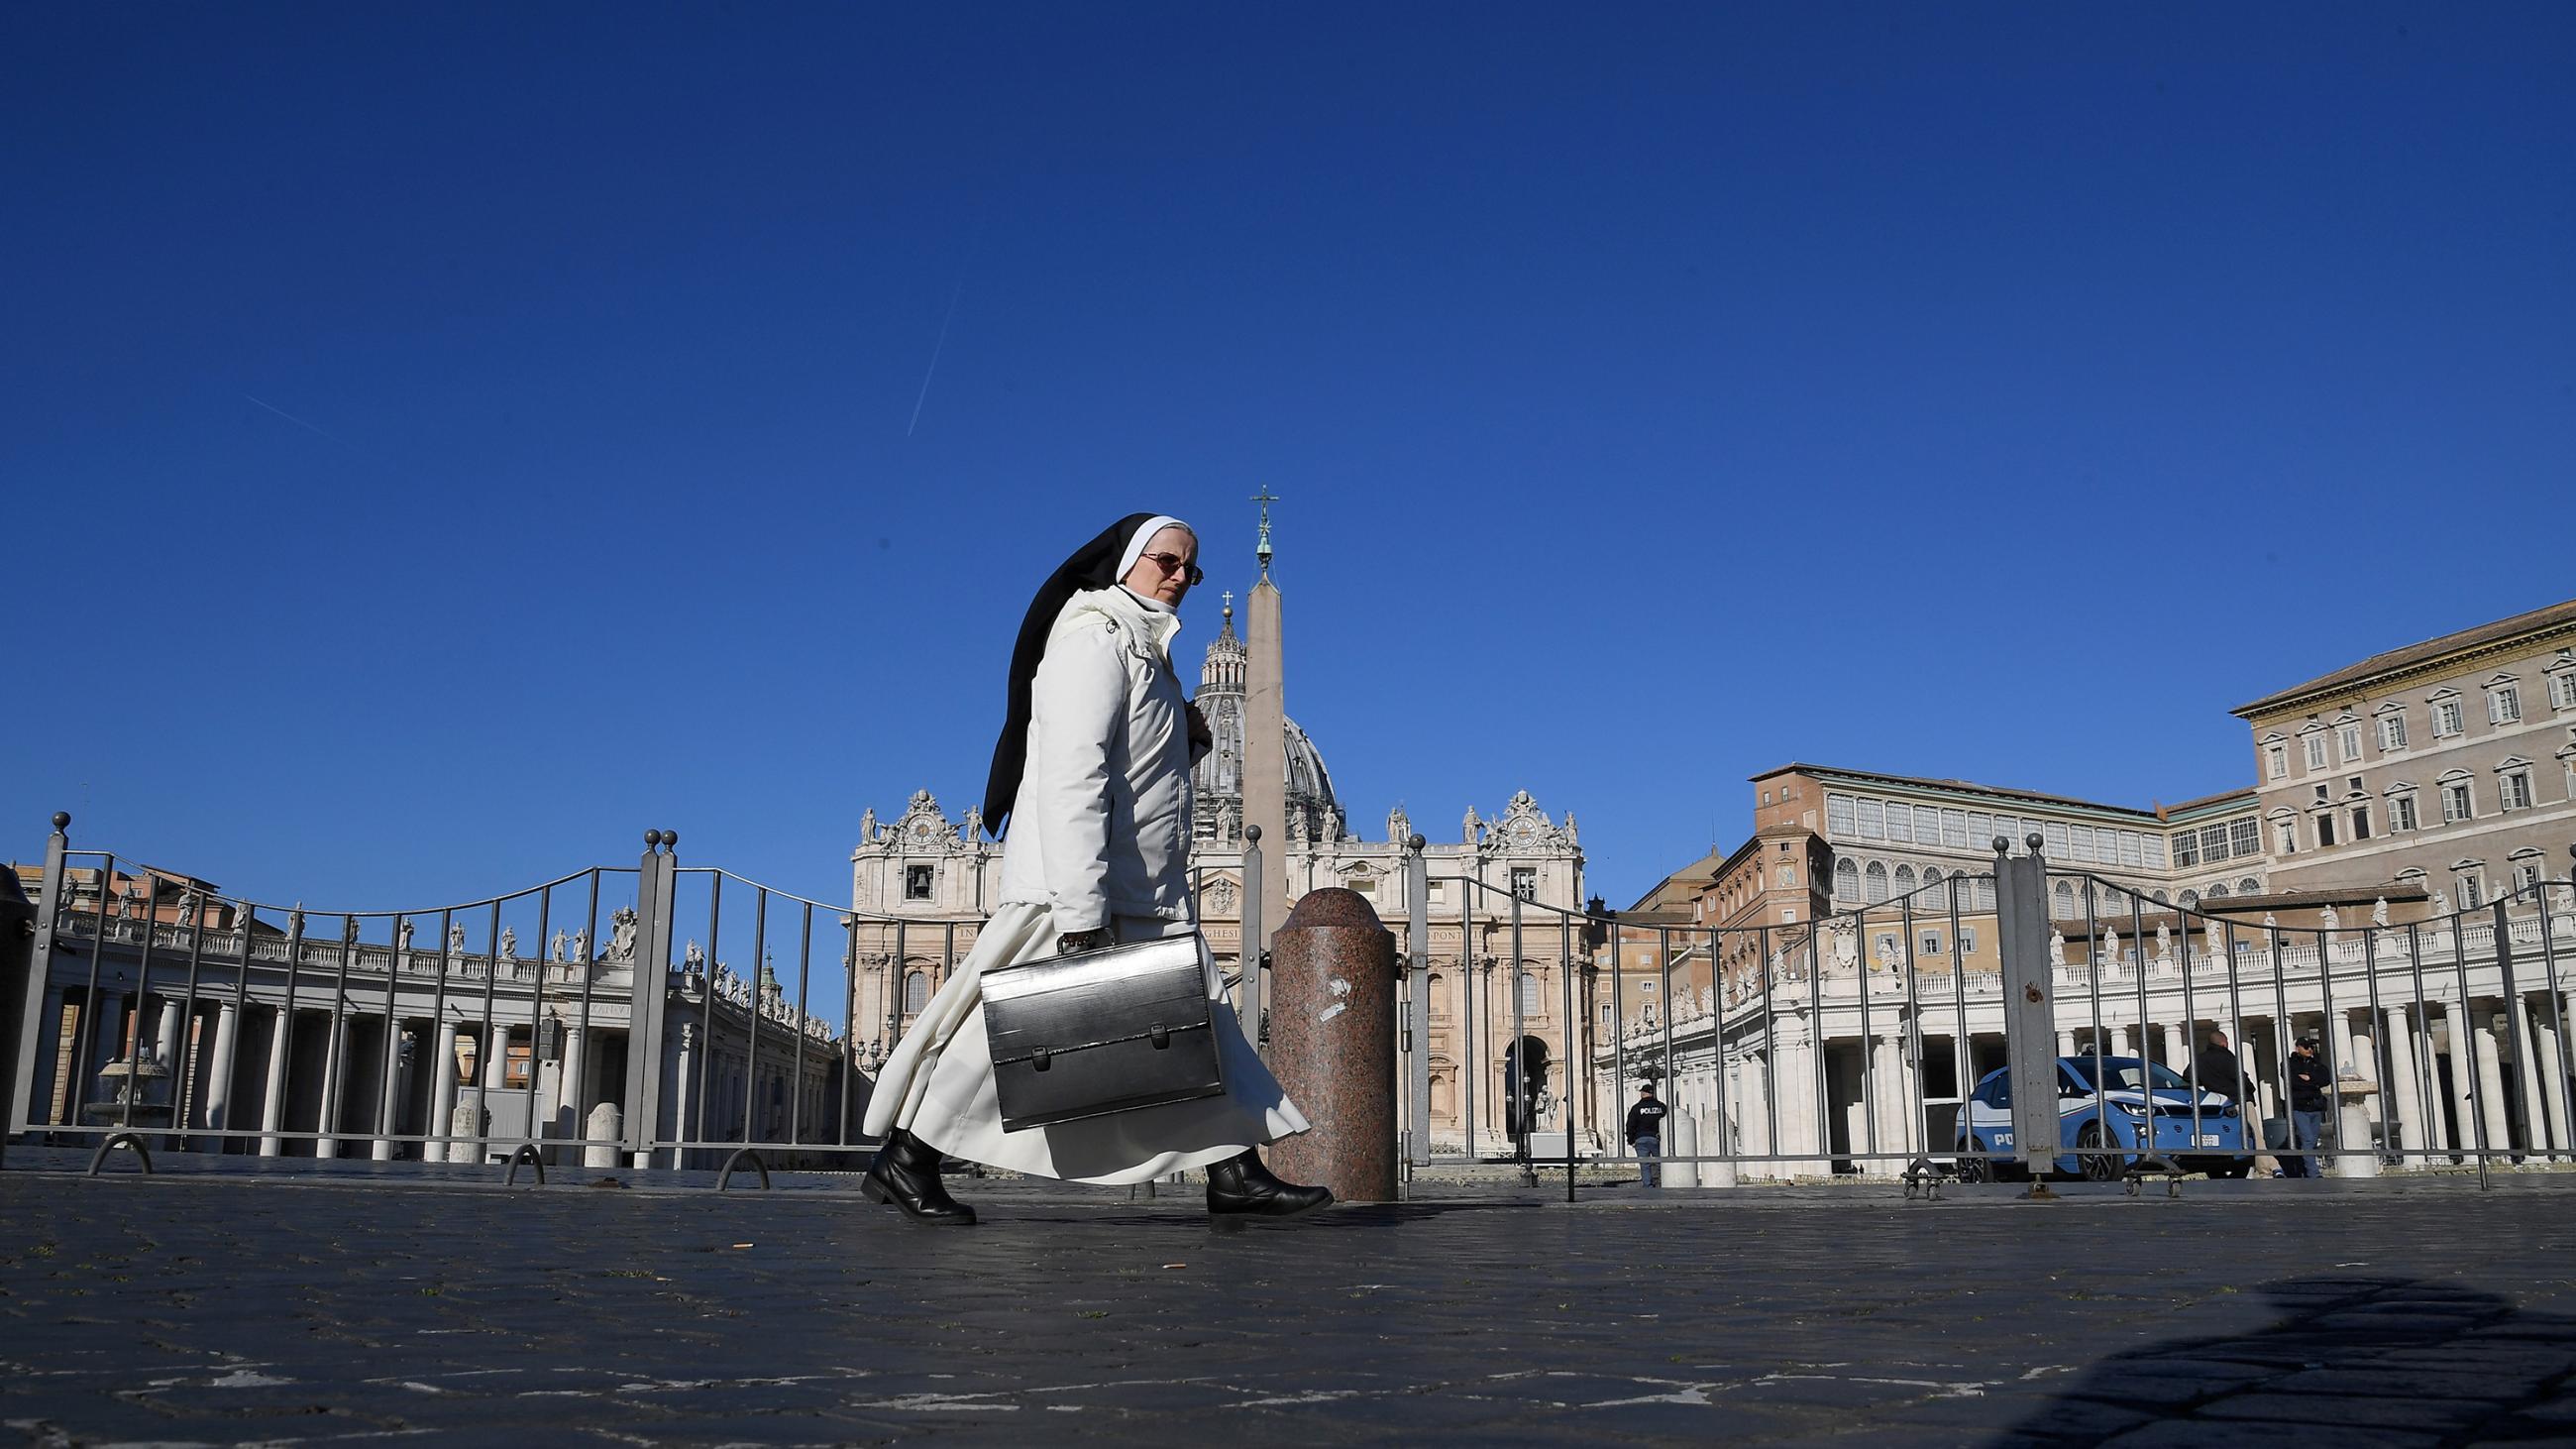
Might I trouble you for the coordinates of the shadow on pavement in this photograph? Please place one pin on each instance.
(2371, 1360)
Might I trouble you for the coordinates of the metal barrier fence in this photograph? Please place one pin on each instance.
(1879, 1039)
(2016, 1019)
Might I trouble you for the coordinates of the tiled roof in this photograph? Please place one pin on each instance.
(2394, 660)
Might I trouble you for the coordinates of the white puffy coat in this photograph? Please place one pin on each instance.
(1101, 824)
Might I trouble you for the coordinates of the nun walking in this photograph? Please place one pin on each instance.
(1091, 776)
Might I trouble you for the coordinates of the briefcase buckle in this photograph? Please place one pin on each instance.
(1038, 1059)
(1162, 1036)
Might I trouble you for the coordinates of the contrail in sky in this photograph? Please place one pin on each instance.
(935, 349)
(941, 345)
(292, 418)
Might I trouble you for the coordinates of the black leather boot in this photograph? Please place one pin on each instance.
(906, 1173)
(1243, 1185)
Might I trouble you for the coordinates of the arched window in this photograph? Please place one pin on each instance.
(1904, 879)
(2190, 898)
(2162, 899)
(1877, 879)
(1529, 994)
(2249, 887)
(2218, 891)
(1985, 891)
(1846, 881)
(2062, 901)
(916, 991)
(1439, 1004)
(2108, 901)
(1932, 877)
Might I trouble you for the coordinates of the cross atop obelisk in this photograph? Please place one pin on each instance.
(1265, 498)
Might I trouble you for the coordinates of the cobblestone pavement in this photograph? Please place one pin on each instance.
(210, 1308)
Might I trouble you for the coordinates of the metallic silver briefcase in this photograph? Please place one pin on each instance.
(1100, 1031)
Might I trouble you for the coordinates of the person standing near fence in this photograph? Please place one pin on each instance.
(1092, 777)
(2309, 1088)
(1646, 1135)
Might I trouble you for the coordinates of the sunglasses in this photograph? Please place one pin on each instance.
(1172, 563)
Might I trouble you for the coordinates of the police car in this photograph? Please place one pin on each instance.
(2145, 1104)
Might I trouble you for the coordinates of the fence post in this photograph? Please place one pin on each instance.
(27, 946)
(2030, 1011)
(649, 992)
(1417, 996)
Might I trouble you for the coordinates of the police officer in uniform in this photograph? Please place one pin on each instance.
(1646, 1135)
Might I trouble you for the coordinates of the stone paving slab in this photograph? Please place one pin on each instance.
(214, 1304)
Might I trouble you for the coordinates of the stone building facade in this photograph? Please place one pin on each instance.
(2448, 766)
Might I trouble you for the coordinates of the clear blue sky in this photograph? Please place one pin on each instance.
(443, 442)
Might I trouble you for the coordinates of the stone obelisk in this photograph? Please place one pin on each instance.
(1265, 747)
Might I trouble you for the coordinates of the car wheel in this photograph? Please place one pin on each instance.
(1975, 1169)
(2099, 1166)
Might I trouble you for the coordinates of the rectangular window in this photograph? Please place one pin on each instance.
(2132, 849)
(2392, 732)
(2245, 837)
(2156, 851)
(2056, 835)
(2286, 836)
(2325, 829)
(2080, 846)
(1981, 829)
(2186, 847)
(2446, 718)
(1967, 939)
(516, 1063)
(2504, 704)
(1931, 943)
(2213, 843)
(2317, 749)
(1838, 815)
(2562, 689)
(2401, 812)
(1873, 820)
(2361, 822)
(1900, 823)
(2456, 804)
(2526, 874)
(2276, 761)
(2468, 890)
(1954, 829)
(2514, 790)
(2350, 736)
(916, 882)
(1525, 882)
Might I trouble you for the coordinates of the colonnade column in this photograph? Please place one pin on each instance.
(174, 1014)
(442, 1096)
(1801, 1119)
(2499, 1127)
(272, 1111)
(1752, 1109)
(2398, 1102)
(335, 1073)
(2553, 1084)
(402, 1047)
(2463, 1053)
(219, 1075)
(2526, 1064)
(568, 1077)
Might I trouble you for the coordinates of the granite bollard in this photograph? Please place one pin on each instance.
(1332, 1044)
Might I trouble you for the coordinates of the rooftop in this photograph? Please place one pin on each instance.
(2001, 792)
(2396, 660)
